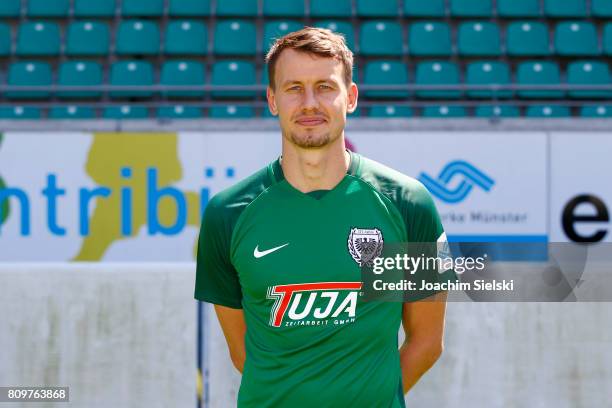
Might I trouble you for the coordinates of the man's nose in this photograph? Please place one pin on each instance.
(310, 99)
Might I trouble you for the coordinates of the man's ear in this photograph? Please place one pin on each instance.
(353, 95)
(271, 101)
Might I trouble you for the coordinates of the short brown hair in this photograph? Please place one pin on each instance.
(318, 41)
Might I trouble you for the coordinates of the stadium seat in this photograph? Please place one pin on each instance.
(142, 8)
(236, 37)
(277, 29)
(233, 73)
(87, 38)
(186, 37)
(131, 73)
(429, 8)
(326, 8)
(601, 8)
(479, 38)
(576, 38)
(492, 111)
(518, 8)
(607, 39)
(79, 73)
(10, 8)
(485, 73)
(126, 112)
(471, 8)
(341, 27)
(189, 8)
(547, 111)
(5, 39)
(588, 73)
(429, 39)
(390, 111)
(385, 73)
(377, 8)
(179, 112)
(565, 8)
(72, 112)
(29, 73)
(444, 111)
(38, 38)
(94, 8)
(137, 37)
(527, 38)
(231, 112)
(242, 8)
(381, 38)
(19, 112)
(47, 8)
(182, 73)
(437, 73)
(596, 111)
(539, 73)
(283, 8)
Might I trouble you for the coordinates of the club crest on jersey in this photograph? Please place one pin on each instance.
(365, 245)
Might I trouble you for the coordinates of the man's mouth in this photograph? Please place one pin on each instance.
(311, 121)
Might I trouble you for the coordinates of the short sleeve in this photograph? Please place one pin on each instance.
(216, 278)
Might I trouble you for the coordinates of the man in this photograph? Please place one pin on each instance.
(279, 253)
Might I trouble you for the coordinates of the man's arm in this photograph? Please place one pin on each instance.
(423, 323)
(234, 329)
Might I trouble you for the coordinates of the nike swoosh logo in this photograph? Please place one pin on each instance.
(258, 254)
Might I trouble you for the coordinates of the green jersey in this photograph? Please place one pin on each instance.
(291, 261)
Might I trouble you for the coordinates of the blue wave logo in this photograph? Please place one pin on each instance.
(471, 176)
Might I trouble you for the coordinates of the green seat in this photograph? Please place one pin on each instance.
(19, 112)
(576, 38)
(381, 38)
(565, 8)
(518, 8)
(601, 8)
(189, 8)
(142, 8)
(94, 8)
(131, 73)
(488, 73)
(588, 73)
(495, 111)
(186, 37)
(241, 8)
(479, 38)
(236, 37)
(377, 8)
(283, 8)
(10, 8)
(444, 111)
(183, 73)
(429, 39)
(548, 111)
(87, 38)
(179, 112)
(29, 73)
(72, 112)
(419, 8)
(231, 112)
(390, 111)
(126, 112)
(47, 8)
(326, 8)
(437, 73)
(137, 37)
(386, 73)
(5, 39)
(471, 8)
(38, 38)
(527, 38)
(539, 73)
(607, 39)
(79, 73)
(341, 27)
(233, 73)
(596, 111)
(277, 29)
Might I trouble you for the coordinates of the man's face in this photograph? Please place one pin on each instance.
(311, 98)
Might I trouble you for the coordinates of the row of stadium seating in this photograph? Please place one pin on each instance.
(239, 37)
(315, 8)
(229, 73)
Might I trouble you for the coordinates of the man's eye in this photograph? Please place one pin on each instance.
(294, 88)
(325, 86)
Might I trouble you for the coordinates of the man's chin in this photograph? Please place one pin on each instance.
(310, 140)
